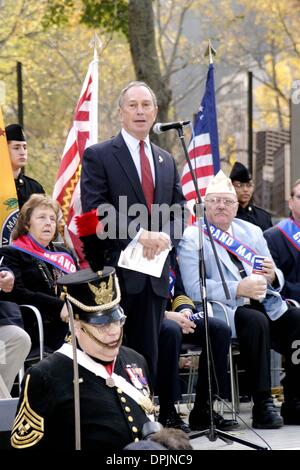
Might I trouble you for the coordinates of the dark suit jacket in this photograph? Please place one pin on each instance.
(109, 172)
(10, 313)
(287, 258)
(255, 215)
(25, 187)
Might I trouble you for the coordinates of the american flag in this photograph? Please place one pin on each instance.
(204, 146)
(83, 133)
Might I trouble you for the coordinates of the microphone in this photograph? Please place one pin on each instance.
(160, 127)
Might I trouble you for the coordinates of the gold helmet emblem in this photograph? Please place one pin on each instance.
(103, 293)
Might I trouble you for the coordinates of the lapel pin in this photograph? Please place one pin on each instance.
(160, 159)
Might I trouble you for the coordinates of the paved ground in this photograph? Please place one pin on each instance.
(287, 437)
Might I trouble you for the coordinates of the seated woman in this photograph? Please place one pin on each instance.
(37, 264)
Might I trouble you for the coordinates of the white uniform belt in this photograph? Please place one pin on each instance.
(99, 370)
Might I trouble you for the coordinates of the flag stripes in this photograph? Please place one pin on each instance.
(204, 146)
(84, 127)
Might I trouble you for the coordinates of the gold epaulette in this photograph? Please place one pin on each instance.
(28, 428)
(181, 300)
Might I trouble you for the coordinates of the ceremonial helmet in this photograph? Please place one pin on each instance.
(94, 296)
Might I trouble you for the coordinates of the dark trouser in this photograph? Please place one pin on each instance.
(257, 334)
(168, 384)
(144, 312)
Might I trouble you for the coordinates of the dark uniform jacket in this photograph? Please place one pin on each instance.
(26, 186)
(35, 284)
(110, 419)
(255, 215)
(10, 313)
(287, 258)
(178, 300)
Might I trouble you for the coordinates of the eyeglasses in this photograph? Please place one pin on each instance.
(107, 326)
(296, 196)
(215, 201)
(243, 185)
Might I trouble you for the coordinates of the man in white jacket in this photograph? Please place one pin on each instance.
(259, 317)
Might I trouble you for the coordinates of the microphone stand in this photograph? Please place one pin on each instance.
(212, 433)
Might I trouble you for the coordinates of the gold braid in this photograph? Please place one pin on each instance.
(98, 308)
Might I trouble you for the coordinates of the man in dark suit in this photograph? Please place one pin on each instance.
(131, 175)
(284, 246)
(17, 147)
(244, 187)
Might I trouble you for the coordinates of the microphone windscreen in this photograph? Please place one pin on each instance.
(156, 128)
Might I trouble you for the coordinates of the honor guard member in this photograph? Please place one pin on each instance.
(17, 147)
(113, 380)
(244, 188)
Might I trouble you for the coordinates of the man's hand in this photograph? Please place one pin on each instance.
(182, 318)
(7, 280)
(154, 243)
(253, 288)
(268, 270)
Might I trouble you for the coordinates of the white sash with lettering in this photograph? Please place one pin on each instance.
(99, 370)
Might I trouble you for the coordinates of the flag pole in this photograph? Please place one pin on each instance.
(95, 43)
(212, 433)
(93, 139)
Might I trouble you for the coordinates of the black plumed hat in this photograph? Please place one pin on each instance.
(240, 173)
(15, 132)
(94, 296)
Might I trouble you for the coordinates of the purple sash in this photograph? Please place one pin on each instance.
(235, 246)
(59, 259)
(291, 231)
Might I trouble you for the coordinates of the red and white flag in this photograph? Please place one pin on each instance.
(82, 134)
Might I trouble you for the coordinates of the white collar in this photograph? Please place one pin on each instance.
(132, 142)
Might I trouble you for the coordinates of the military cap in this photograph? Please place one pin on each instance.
(94, 296)
(220, 183)
(15, 132)
(240, 173)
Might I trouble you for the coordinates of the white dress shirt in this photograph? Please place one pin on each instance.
(133, 145)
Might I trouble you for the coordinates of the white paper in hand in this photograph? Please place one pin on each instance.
(132, 258)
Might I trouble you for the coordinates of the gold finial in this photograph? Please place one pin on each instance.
(210, 52)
